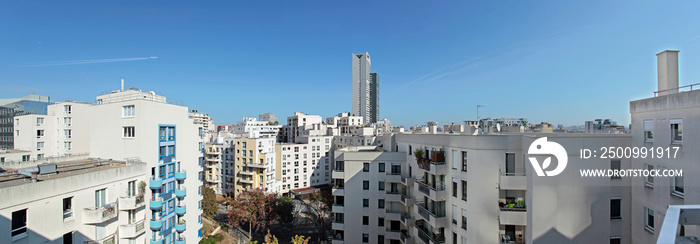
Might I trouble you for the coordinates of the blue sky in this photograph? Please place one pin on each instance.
(563, 62)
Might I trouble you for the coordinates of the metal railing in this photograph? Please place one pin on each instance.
(676, 90)
(426, 236)
(428, 209)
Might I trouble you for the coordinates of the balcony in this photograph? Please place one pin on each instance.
(512, 181)
(180, 240)
(180, 175)
(393, 177)
(180, 209)
(512, 216)
(180, 194)
(435, 164)
(110, 239)
(101, 214)
(393, 196)
(406, 219)
(180, 226)
(430, 237)
(259, 166)
(405, 236)
(156, 204)
(433, 191)
(245, 172)
(132, 230)
(431, 215)
(393, 215)
(156, 224)
(157, 241)
(338, 191)
(155, 183)
(247, 181)
(337, 208)
(337, 225)
(338, 174)
(407, 180)
(407, 199)
(131, 202)
(392, 234)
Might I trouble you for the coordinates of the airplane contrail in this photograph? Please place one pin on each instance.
(91, 61)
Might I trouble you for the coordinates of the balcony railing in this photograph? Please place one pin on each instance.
(426, 187)
(428, 236)
(100, 214)
(429, 210)
(110, 239)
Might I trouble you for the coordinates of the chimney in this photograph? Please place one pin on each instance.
(667, 68)
(122, 85)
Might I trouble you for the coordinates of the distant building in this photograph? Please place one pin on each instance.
(269, 117)
(12, 107)
(374, 98)
(365, 88)
(607, 126)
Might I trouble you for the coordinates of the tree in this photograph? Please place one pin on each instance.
(284, 209)
(270, 239)
(209, 202)
(320, 211)
(253, 207)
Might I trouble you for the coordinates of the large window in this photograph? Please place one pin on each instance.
(649, 220)
(464, 190)
(649, 130)
(615, 205)
(676, 131)
(464, 161)
(129, 132)
(129, 111)
(615, 165)
(677, 187)
(19, 223)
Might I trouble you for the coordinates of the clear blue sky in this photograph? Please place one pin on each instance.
(558, 61)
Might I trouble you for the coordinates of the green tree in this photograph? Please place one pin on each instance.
(297, 239)
(284, 209)
(209, 202)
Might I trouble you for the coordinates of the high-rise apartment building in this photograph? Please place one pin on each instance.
(373, 98)
(365, 88)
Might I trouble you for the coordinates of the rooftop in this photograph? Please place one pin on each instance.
(51, 171)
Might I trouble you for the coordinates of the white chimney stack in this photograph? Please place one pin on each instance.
(122, 85)
(667, 68)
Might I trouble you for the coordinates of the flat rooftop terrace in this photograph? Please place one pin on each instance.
(51, 171)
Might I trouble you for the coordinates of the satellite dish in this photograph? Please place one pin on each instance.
(498, 127)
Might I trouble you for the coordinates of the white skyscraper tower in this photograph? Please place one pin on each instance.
(361, 99)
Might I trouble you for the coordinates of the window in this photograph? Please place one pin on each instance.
(380, 203)
(615, 239)
(381, 186)
(68, 109)
(464, 190)
(649, 181)
(68, 134)
(67, 121)
(39, 121)
(365, 167)
(464, 161)
(677, 187)
(129, 111)
(381, 167)
(39, 133)
(365, 238)
(365, 203)
(129, 132)
(649, 130)
(464, 219)
(410, 151)
(380, 239)
(25, 158)
(68, 238)
(67, 208)
(365, 220)
(40, 145)
(19, 224)
(40, 156)
(100, 197)
(365, 185)
(380, 221)
(615, 205)
(676, 131)
(454, 188)
(649, 220)
(615, 165)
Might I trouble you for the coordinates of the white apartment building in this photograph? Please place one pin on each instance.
(59, 132)
(203, 120)
(305, 163)
(78, 200)
(135, 124)
(368, 204)
(295, 125)
(213, 166)
(477, 189)
(671, 118)
(255, 128)
(269, 117)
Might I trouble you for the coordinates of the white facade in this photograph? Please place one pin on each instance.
(88, 201)
(296, 124)
(306, 163)
(255, 128)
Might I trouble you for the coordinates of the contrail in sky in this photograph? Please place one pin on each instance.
(91, 61)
